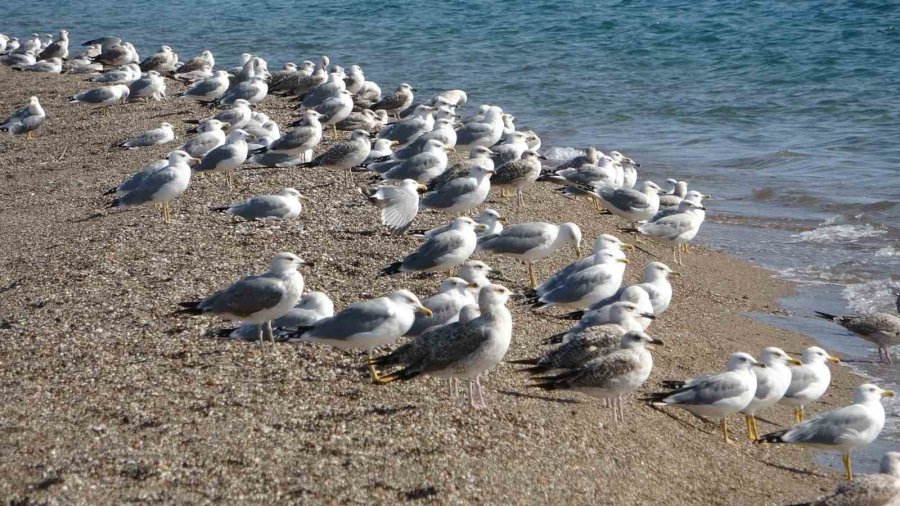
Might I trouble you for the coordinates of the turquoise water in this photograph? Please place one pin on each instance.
(787, 112)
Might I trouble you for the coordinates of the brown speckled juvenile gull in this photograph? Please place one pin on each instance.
(883, 329)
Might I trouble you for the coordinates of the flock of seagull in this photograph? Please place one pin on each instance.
(427, 155)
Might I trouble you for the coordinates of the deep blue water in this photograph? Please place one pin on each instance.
(787, 112)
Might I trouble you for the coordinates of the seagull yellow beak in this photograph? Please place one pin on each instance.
(473, 285)
(675, 273)
(394, 143)
(421, 187)
(502, 220)
(448, 149)
(425, 311)
(834, 360)
(481, 226)
(625, 245)
(760, 365)
(623, 260)
(577, 252)
(305, 198)
(888, 393)
(794, 361)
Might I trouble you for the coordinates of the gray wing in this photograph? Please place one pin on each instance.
(403, 131)
(202, 143)
(148, 187)
(668, 227)
(148, 138)
(443, 308)
(713, 389)
(433, 251)
(96, 95)
(330, 107)
(111, 76)
(153, 61)
(801, 378)
(625, 198)
(54, 49)
(230, 116)
(518, 239)
(134, 181)
(243, 90)
(473, 132)
(558, 278)
(576, 162)
(336, 153)
(294, 139)
(398, 208)
(834, 427)
(455, 172)
(17, 116)
(413, 168)
(578, 285)
(448, 194)
(212, 159)
(257, 208)
(246, 297)
(357, 318)
(27, 124)
(276, 159)
(202, 88)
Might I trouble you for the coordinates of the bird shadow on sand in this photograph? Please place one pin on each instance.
(793, 469)
(513, 393)
(684, 422)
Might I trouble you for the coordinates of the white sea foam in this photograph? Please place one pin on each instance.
(562, 154)
(832, 234)
(875, 295)
(887, 251)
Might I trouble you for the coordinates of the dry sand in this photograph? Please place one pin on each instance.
(109, 399)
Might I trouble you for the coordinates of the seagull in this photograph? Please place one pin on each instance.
(476, 273)
(253, 90)
(453, 294)
(298, 140)
(654, 282)
(441, 252)
(102, 97)
(49, 66)
(285, 205)
(367, 324)
(462, 194)
(162, 135)
(518, 174)
(399, 204)
(424, 167)
(510, 149)
(625, 313)
(227, 157)
(203, 60)
(578, 350)
(149, 85)
(157, 184)
(676, 229)
(609, 376)
(586, 286)
(58, 49)
(257, 299)
(398, 101)
(716, 395)
(212, 136)
(124, 74)
(590, 157)
(772, 383)
(530, 241)
(883, 329)
(808, 381)
(675, 195)
(210, 89)
(236, 117)
(843, 430)
(410, 128)
(25, 120)
(344, 154)
(484, 131)
(312, 307)
(633, 204)
(461, 350)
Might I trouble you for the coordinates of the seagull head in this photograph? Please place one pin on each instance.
(741, 361)
(816, 355)
(409, 299)
(636, 339)
(773, 356)
(870, 393)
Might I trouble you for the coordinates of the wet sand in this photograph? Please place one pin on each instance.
(109, 399)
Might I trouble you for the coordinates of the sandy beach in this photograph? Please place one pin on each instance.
(109, 399)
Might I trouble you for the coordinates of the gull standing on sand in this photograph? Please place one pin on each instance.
(518, 174)
(335, 109)
(253, 90)
(204, 59)
(633, 204)
(209, 89)
(490, 218)
(236, 117)
(458, 350)
(485, 131)
(399, 204)
(587, 286)
(58, 49)
(157, 185)
(212, 136)
(396, 102)
(772, 383)
(363, 120)
(227, 157)
(842, 430)
(256, 299)
(125, 74)
(102, 97)
(462, 194)
(344, 154)
(530, 241)
(410, 128)
(424, 167)
(510, 149)
(808, 381)
(718, 395)
(25, 120)
(162, 135)
(441, 252)
(452, 296)
(675, 195)
(654, 281)
(881, 489)
(298, 140)
(51, 66)
(676, 229)
(285, 205)
(604, 243)
(312, 307)
(149, 85)
(367, 324)
(609, 376)
(590, 157)
(883, 329)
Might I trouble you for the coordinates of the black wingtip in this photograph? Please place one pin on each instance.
(555, 338)
(191, 307)
(673, 384)
(524, 361)
(826, 316)
(115, 203)
(225, 332)
(655, 397)
(772, 437)
(574, 315)
(259, 151)
(219, 209)
(391, 270)
(111, 191)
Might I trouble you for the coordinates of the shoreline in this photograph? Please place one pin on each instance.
(111, 399)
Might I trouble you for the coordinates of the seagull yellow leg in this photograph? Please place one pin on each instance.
(28, 136)
(848, 468)
(725, 432)
(749, 420)
(800, 414)
(372, 372)
(531, 275)
(755, 428)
